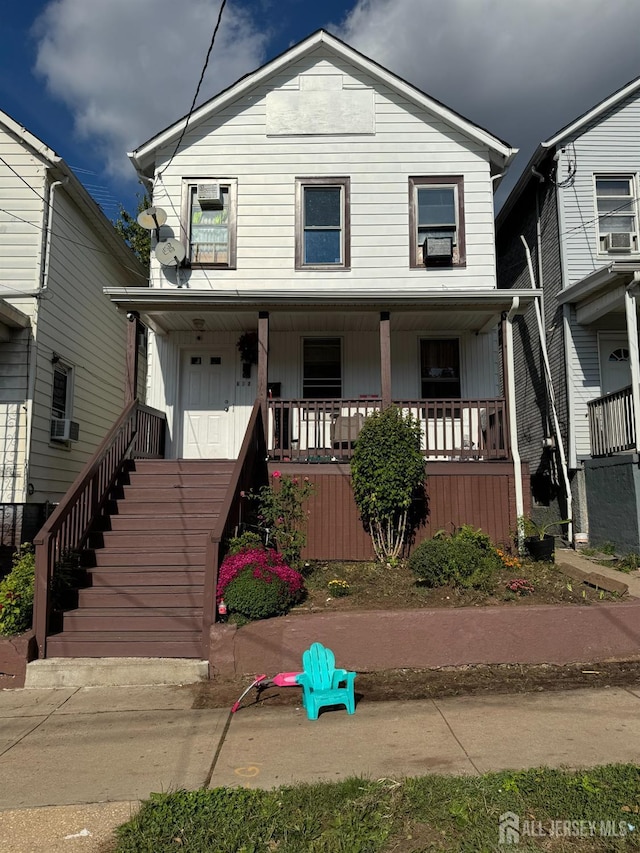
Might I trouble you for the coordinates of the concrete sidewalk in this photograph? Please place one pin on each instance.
(115, 746)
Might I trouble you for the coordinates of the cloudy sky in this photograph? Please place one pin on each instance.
(96, 79)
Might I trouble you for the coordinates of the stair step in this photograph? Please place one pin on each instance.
(181, 540)
(202, 495)
(133, 619)
(97, 644)
(174, 507)
(180, 479)
(129, 560)
(167, 523)
(124, 576)
(185, 466)
(124, 596)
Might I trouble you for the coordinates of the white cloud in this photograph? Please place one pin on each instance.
(520, 68)
(129, 68)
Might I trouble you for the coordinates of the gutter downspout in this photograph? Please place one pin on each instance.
(513, 427)
(42, 289)
(630, 307)
(550, 392)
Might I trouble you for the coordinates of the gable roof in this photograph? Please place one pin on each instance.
(89, 207)
(501, 152)
(571, 129)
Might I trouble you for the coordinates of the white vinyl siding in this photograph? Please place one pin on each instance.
(14, 356)
(405, 142)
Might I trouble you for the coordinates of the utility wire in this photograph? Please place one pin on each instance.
(195, 97)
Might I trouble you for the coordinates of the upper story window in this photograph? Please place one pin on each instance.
(617, 214)
(322, 223)
(211, 216)
(436, 221)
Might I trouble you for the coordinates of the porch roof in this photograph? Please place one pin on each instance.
(168, 310)
(11, 318)
(600, 294)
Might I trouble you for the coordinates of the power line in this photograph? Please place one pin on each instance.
(195, 97)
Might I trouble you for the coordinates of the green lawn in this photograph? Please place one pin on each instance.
(439, 813)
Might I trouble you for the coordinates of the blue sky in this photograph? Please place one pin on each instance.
(94, 79)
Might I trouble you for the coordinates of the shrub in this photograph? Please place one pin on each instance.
(258, 593)
(16, 593)
(247, 541)
(465, 559)
(281, 511)
(257, 584)
(388, 471)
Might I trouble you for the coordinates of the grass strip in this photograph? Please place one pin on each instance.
(554, 810)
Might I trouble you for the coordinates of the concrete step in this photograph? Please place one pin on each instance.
(114, 671)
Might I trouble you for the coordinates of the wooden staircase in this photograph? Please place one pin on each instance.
(145, 592)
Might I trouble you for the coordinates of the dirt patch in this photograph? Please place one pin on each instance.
(406, 684)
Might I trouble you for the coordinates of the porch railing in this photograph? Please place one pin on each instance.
(249, 472)
(611, 423)
(326, 430)
(138, 433)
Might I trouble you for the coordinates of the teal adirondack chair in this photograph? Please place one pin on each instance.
(322, 684)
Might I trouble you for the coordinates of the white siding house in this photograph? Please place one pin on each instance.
(62, 344)
(579, 197)
(356, 219)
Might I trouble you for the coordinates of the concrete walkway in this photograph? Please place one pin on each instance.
(83, 758)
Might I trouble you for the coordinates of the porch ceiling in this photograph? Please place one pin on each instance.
(599, 297)
(167, 311)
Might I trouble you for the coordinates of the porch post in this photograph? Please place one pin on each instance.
(131, 375)
(385, 358)
(510, 400)
(630, 309)
(263, 363)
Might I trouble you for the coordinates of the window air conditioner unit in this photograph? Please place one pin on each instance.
(437, 248)
(618, 242)
(210, 197)
(62, 429)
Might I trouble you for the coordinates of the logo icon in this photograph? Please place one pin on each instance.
(509, 828)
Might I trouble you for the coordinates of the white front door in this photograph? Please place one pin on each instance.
(615, 371)
(207, 385)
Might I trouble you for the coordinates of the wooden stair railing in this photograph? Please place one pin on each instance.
(138, 433)
(250, 471)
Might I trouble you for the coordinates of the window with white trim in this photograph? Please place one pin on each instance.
(62, 396)
(322, 368)
(617, 214)
(436, 221)
(440, 368)
(210, 214)
(322, 223)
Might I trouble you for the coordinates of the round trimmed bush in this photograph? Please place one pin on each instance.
(466, 559)
(258, 593)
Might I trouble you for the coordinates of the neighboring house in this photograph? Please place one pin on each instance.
(338, 228)
(62, 344)
(576, 204)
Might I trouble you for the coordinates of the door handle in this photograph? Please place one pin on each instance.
(226, 405)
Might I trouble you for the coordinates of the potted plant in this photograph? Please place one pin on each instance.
(539, 544)
(248, 347)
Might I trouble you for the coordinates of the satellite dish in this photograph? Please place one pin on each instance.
(152, 218)
(170, 253)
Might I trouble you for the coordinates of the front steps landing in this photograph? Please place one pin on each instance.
(114, 672)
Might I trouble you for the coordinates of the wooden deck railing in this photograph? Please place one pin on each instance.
(322, 430)
(138, 432)
(249, 472)
(611, 423)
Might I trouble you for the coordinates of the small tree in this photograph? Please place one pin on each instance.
(387, 471)
(282, 512)
(135, 236)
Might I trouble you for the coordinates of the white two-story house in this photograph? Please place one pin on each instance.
(576, 205)
(323, 246)
(62, 344)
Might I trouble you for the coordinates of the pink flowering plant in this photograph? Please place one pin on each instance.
(283, 515)
(521, 586)
(258, 583)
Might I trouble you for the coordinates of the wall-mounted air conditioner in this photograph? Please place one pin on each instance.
(210, 197)
(437, 249)
(62, 429)
(622, 242)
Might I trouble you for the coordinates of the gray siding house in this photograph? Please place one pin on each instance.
(576, 206)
